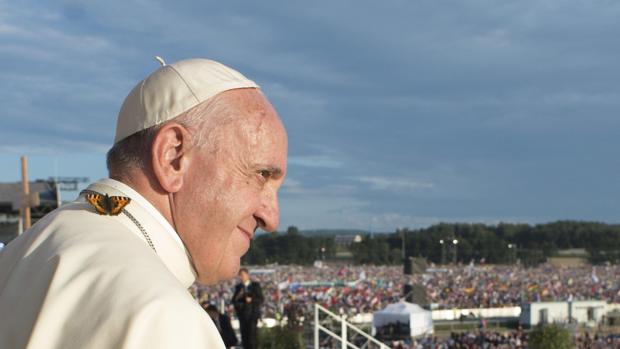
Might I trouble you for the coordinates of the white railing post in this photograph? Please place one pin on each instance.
(342, 337)
(316, 326)
(343, 332)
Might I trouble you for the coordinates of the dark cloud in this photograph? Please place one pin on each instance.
(399, 113)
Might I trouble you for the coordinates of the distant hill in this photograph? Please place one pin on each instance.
(327, 232)
(334, 232)
(574, 242)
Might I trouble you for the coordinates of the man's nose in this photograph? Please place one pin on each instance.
(268, 214)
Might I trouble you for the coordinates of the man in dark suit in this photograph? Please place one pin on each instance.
(222, 322)
(247, 300)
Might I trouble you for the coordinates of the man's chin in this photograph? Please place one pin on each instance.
(226, 272)
(205, 281)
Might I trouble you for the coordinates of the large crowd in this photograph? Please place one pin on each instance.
(362, 289)
(499, 286)
(502, 340)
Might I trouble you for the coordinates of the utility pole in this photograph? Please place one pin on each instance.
(403, 233)
(25, 194)
(455, 243)
(443, 252)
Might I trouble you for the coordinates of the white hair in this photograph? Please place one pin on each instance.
(203, 121)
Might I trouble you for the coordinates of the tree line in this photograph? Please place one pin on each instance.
(447, 243)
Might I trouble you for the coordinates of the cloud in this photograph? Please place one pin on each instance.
(318, 161)
(405, 111)
(55, 149)
(60, 87)
(390, 221)
(394, 184)
(316, 211)
(292, 186)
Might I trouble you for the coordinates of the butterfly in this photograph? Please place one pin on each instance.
(107, 205)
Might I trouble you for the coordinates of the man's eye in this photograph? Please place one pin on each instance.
(266, 174)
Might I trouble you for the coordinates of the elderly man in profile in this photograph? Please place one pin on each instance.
(197, 161)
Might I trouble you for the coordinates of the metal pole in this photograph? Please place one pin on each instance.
(443, 254)
(316, 326)
(403, 242)
(443, 259)
(455, 243)
(343, 332)
(58, 195)
(25, 193)
(20, 224)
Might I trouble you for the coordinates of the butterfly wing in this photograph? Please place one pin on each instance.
(117, 203)
(98, 202)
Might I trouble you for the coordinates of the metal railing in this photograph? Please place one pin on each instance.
(344, 329)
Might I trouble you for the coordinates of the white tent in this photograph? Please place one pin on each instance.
(420, 320)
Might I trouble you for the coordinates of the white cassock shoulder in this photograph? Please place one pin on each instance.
(167, 323)
(80, 280)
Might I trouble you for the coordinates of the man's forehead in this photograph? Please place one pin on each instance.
(250, 110)
(256, 132)
(260, 126)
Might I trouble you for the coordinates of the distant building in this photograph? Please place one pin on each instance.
(582, 312)
(11, 201)
(347, 240)
(574, 257)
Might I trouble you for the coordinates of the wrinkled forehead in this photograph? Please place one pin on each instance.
(255, 120)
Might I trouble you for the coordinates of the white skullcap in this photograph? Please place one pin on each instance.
(172, 90)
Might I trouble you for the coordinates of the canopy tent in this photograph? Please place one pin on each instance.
(419, 320)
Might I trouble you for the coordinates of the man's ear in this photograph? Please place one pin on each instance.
(169, 156)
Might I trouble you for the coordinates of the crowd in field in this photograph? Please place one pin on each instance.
(468, 340)
(363, 289)
(502, 340)
(498, 286)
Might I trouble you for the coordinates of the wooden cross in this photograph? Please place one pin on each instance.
(28, 199)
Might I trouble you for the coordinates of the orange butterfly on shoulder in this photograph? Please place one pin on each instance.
(107, 205)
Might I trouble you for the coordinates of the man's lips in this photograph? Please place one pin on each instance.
(247, 233)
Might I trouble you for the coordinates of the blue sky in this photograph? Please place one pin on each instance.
(399, 113)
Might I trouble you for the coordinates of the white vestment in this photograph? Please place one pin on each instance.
(78, 279)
